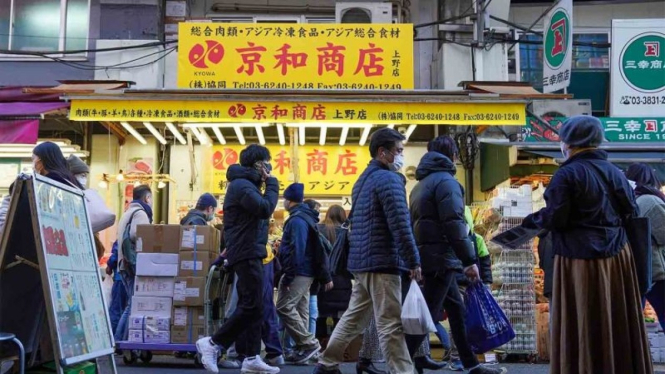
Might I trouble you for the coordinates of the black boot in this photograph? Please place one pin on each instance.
(426, 362)
(320, 369)
(367, 366)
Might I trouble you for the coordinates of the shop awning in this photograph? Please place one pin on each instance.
(29, 110)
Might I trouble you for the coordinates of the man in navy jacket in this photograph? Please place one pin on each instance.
(381, 246)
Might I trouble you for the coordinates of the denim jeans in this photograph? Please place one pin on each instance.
(118, 303)
(442, 334)
(122, 331)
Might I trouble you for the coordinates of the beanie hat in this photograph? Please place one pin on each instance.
(207, 200)
(582, 132)
(295, 192)
(77, 166)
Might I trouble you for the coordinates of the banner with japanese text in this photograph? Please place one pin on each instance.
(324, 170)
(295, 56)
(306, 111)
(616, 129)
(558, 47)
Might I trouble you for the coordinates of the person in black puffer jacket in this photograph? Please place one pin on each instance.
(441, 232)
(246, 215)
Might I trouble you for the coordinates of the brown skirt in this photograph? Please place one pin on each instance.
(597, 321)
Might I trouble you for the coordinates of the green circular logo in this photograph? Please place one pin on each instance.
(643, 62)
(556, 39)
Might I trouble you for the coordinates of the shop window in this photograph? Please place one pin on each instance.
(37, 25)
(585, 58)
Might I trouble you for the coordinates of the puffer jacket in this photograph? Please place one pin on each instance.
(194, 218)
(246, 214)
(381, 239)
(654, 208)
(437, 210)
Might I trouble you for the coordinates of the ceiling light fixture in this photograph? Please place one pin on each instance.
(154, 132)
(322, 136)
(239, 135)
(365, 135)
(345, 133)
(280, 134)
(134, 133)
(301, 135)
(176, 133)
(408, 132)
(259, 134)
(218, 134)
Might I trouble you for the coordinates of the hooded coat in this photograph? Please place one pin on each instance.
(437, 210)
(246, 214)
(194, 217)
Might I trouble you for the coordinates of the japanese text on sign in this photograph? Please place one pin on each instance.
(470, 113)
(324, 170)
(308, 56)
(616, 129)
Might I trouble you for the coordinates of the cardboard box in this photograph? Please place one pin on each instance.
(157, 337)
(189, 291)
(187, 316)
(152, 306)
(154, 286)
(187, 334)
(149, 323)
(199, 238)
(195, 264)
(158, 238)
(157, 264)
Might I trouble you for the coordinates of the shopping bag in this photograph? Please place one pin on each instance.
(101, 217)
(416, 319)
(487, 327)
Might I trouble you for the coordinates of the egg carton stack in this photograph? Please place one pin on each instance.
(513, 271)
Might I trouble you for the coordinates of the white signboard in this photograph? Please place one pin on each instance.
(638, 68)
(558, 47)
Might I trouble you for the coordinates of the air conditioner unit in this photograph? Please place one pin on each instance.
(364, 12)
(561, 108)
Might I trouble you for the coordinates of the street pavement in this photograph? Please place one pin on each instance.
(170, 365)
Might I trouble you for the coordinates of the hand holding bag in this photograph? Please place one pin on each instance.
(416, 318)
(487, 326)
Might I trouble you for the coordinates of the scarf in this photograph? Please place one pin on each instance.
(146, 207)
(648, 190)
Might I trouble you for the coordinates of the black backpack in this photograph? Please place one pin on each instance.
(324, 250)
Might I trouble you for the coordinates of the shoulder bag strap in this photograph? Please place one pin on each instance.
(610, 191)
(353, 207)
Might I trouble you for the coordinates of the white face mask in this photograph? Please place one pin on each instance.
(398, 162)
(82, 179)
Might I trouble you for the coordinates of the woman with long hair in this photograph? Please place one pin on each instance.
(651, 201)
(48, 161)
(597, 322)
(333, 303)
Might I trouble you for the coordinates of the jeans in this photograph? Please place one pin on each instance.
(270, 328)
(293, 308)
(118, 303)
(122, 331)
(441, 291)
(381, 295)
(442, 334)
(656, 298)
(313, 313)
(248, 315)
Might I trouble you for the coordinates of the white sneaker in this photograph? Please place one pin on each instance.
(209, 354)
(256, 365)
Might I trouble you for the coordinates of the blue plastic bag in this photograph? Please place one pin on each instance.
(487, 327)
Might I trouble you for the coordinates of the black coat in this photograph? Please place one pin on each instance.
(437, 211)
(246, 214)
(546, 255)
(194, 218)
(336, 300)
(579, 214)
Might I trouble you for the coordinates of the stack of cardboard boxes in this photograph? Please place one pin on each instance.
(199, 248)
(156, 268)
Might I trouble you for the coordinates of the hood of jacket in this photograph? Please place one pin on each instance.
(241, 172)
(434, 162)
(194, 215)
(303, 209)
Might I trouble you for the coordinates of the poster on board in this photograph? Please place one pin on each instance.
(70, 261)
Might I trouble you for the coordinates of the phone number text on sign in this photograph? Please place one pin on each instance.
(274, 56)
(642, 100)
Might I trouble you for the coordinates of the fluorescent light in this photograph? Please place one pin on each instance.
(259, 133)
(176, 133)
(280, 133)
(198, 135)
(301, 135)
(218, 134)
(322, 136)
(223, 125)
(134, 133)
(239, 135)
(154, 132)
(363, 137)
(345, 133)
(391, 126)
(207, 137)
(317, 125)
(409, 131)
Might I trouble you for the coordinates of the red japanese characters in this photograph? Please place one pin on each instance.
(54, 241)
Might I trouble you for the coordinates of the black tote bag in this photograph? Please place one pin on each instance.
(638, 231)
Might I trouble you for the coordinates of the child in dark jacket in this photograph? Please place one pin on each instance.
(118, 292)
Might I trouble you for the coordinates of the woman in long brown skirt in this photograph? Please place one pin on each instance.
(597, 323)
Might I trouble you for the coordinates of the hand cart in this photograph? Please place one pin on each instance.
(217, 291)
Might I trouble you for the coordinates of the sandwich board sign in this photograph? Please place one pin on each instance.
(558, 47)
(48, 268)
(638, 68)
